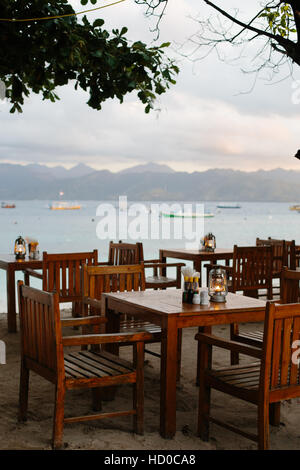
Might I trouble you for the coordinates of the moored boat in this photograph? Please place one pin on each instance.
(186, 214)
(296, 207)
(6, 205)
(63, 206)
(228, 206)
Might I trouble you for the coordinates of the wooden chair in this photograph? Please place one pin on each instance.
(274, 379)
(289, 286)
(123, 253)
(289, 293)
(132, 253)
(283, 255)
(42, 351)
(99, 279)
(62, 272)
(251, 272)
(297, 256)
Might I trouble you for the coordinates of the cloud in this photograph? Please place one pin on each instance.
(205, 120)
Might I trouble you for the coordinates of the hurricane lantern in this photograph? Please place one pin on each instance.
(20, 248)
(209, 242)
(217, 284)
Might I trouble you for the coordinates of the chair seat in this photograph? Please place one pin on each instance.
(160, 280)
(98, 364)
(251, 337)
(244, 377)
(135, 325)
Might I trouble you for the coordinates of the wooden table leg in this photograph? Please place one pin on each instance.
(11, 300)
(162, 259)
(168, 377)
(112, 326)
(198, 268)
(207, 330)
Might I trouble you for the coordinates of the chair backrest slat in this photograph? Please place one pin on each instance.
(40, 328)
(289, 286)
(284, 253)
(62, 273)
(280, 369)
(252, 268)
(125, 253)
(99, 279)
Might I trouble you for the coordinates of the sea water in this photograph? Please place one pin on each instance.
(78, 230)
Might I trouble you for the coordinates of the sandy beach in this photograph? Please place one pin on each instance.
(116, 434)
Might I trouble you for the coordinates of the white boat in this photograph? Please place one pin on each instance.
(185, 214)
(228, 206)
(63, 206)
(296, 207)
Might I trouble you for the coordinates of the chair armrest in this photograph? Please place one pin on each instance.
(91, 320)
(230, 345)
(92, 302)
(164, 265)
(152, 261)
(82, 340)
(33, 273)
(227, 268)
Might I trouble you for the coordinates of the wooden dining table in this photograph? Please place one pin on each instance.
(197, 256)
(10, 264)
(166, 309)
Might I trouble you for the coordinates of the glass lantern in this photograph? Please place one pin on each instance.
(209, 242)
(20, 248)
(217, 284)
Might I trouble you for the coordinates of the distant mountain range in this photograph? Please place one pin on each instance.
(147, 182)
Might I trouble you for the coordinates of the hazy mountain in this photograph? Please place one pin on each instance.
(59, 171)
(39, 182)
(80, 170)
(148, 167)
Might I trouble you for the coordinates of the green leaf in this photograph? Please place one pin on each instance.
(98, 23)
(165, 44)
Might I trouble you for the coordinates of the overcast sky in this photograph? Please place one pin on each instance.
(212, 118)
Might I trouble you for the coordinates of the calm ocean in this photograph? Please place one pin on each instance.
(66, 231)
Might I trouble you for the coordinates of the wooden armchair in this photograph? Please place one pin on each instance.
(132, 253)
(284, 254)
(251, 272)
(42, 351)
(268, 382)
(99, 279)
(62, 272)
(289, 293)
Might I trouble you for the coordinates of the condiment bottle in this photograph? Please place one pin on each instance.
(190, 291)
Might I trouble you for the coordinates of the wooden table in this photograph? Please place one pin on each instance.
(11, 265)
(165, 308)
(197, 256)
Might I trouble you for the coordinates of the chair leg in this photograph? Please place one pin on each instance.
(23, 394)
(234, 356)
(58, 423)
(204, 393)
(97, 399)
(76, 309)
(138, 392)
(26, 279)
(201, 329)
(263, 426)
(275, 414)
(179, 348)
